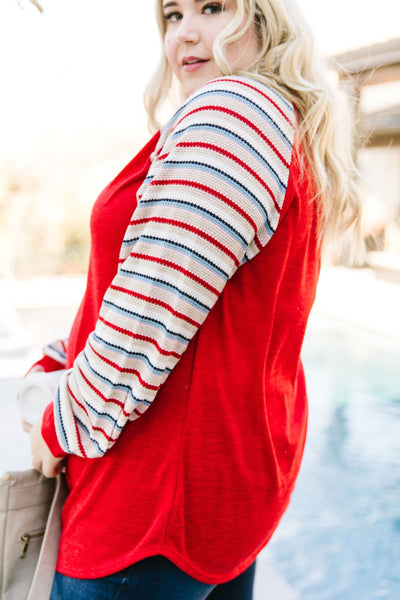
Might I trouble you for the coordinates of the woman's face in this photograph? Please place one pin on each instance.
(190, 30)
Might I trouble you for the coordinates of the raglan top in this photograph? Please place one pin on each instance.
(184, 394)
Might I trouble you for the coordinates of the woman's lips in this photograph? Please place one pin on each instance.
(192, 63)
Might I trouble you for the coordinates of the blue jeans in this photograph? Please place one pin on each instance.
(154, 578)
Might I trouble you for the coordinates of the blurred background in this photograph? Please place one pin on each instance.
(72, 76)
(72, 79)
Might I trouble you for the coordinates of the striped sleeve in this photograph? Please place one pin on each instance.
(54, 357)
(57, 351)
(211, 202)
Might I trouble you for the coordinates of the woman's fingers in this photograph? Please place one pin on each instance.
(42, 459)
(26, 426)
(51, 467)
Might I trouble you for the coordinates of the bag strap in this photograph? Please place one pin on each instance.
(44, 573)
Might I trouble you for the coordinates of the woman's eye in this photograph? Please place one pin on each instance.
(212, 8)
(173, 17)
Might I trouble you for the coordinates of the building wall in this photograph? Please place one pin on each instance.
(380, 168)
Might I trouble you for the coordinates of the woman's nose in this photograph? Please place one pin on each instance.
(187, 32)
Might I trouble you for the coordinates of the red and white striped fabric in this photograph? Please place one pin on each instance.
(210, 203)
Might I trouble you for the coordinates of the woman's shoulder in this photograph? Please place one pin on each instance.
(237, 101)
(243, 88)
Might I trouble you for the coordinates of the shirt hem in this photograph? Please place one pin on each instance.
(175, 558)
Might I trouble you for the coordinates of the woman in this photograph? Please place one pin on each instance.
(194, 315)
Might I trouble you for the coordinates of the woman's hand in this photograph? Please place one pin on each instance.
(26, 426)
(42, 459)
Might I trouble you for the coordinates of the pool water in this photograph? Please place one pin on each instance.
(340, 538)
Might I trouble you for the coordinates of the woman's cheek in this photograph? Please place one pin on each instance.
(168, 49)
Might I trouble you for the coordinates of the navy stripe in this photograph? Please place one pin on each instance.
(253, 105)
(140, 318)
(138, 355)
(237, 138)
(208, 88)
(173, 244)
(114, 386)
(223, 175)
(59, 420)
(255, 83)
(54, 349)
(92, 439)
(201, 210)
(92, 409)
(169, 286)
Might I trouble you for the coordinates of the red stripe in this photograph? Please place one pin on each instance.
(78, 435)
(191, 228)
(122, 370)
(100, 429)
(208, 190)
(176, 267)
(119, 403)
(157, 302)
(157, 152)
(83, 407)
(241, 118)
(252, 87)
(137, 336)
(108, 438)
(240, 162)
(258, 243)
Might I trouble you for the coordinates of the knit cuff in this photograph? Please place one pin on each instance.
(48, 365)
(49, 432)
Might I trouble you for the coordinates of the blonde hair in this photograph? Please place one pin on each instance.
(289, 63)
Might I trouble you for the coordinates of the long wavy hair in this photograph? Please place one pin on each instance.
(289, 62)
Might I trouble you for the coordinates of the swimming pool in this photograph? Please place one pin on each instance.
(340, 538)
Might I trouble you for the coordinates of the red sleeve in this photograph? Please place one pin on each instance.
(48, 365)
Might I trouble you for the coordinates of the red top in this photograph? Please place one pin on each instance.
(205, 479)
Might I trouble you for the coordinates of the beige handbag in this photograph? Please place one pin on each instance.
(30, 527)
